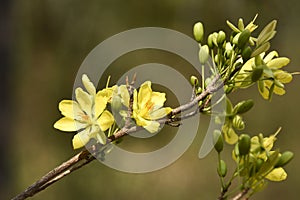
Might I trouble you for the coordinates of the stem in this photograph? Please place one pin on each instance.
(241, 194)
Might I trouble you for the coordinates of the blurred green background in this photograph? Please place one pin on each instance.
(43, 44)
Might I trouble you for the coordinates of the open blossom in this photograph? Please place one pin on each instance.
(272, 79)
(87, 114)
(148, 107)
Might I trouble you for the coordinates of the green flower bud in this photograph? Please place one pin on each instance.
(246, 53)
(194, 81)
(221, 37)
(218, 140)
(257, 72)
(222, 168)
(284, 159)
(259, 163)
(198, 31)
(228, 89)
(244, 144)
(243, 39)
(216, 58)
(210, 41)
(200, 103)
(116, 103)
(204, 54)
(243, 106)
(198, 90)
(238, 122)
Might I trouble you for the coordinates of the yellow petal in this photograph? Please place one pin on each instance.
(270, 56)
(229, 134)
(100, 104)
(283, 76)
(158, 99)
(279, 91)
(152, 126)
(80, 139)
(68, 124)
(70, 109)
(277, 174)
(144, 94)
(278, 62)
(158, 114)
(89, 86)
(269, 141)
(105, 120)
(84, 100)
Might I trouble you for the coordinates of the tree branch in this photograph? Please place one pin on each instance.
(84, 157)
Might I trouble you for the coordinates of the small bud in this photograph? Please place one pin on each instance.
(216, 58)
(204, 54)
(116, 103)
(243, 106)
(257, 72)
(210, 41)
(243, 39)
(198, 90)
(238, 122)
(222, 168)
(194, 81)
(198, 31)
(284, 159)
(246, 53)
(218, 140)
(259, 163)
(244, 144)
(221, 37)
(200, 103)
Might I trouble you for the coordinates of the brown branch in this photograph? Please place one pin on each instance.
(241, 194)
(84, 157)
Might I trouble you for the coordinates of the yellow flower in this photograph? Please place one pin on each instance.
(272, 79)
(147, 107)
(87, 114)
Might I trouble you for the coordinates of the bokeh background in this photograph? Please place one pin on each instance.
(42, 45)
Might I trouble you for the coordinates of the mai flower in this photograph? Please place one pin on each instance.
(277, 173)
(87, 114)
(148, 107)
(269, 76)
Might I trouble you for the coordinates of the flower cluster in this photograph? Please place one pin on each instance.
(90, 116)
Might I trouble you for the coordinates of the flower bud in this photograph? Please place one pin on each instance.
(218, 140)
(198, 90)
(257, 72)
(243, 39)
(284, 159)
(238, 122)
(210, 41)
(244, 144)
(116, 103)
(243, 106)
(222, 168)
(194, 81)
(204, 54)
(198, 31)
(246, 53)
(221, 37)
